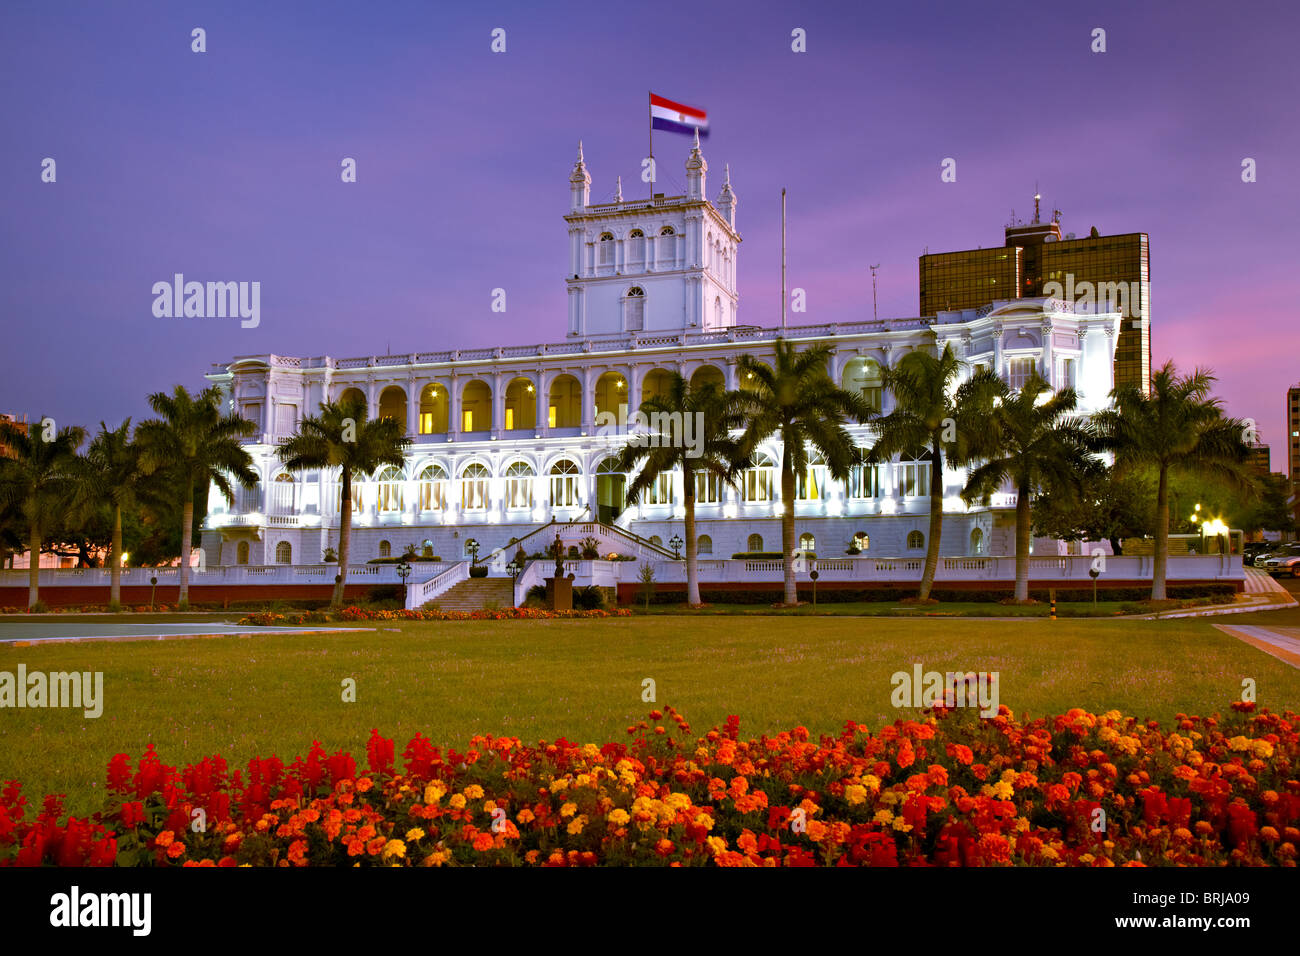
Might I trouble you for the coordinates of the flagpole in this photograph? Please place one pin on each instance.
(649, 112)
(782, 258)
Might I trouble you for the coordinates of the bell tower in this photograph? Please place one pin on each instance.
(651, 264)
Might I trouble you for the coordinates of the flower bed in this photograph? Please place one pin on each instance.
(948, 790)
(353, 613)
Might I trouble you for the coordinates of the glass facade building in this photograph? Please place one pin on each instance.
(1097, 273)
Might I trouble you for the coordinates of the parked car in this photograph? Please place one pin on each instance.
(1273, 551)
(1283, 562)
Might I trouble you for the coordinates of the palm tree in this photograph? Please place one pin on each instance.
(1030, 437)
(192, 444)
(1179, 427)
(36, 480)
(797, 398)
(343, 437)
(927, 406)
(711, 452)
(113, 475)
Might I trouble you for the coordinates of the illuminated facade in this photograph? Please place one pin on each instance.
(506, 439)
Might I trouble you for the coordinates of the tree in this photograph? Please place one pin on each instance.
(924, 419)
(1179, 428)
(1030, 437)
(191, 445)
(343, 437)
(797, 400)
(1110, 507)
(36, 478)
(691, 428)
(113, 476)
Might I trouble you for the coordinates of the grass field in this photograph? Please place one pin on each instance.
(270, 694)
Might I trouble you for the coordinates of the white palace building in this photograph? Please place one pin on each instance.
(506, 439)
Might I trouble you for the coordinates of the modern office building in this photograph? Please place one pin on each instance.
(505, 439)
(1096, 274)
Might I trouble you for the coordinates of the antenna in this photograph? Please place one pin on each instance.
(874, 314)
(1036, 198)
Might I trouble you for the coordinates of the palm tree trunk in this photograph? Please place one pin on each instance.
(787, 529)
(1162, 537)
(115, 559)
(345, 534)
(34, 564)
(187, 542)
(936, 523)
(1022, 542)
(692, 546)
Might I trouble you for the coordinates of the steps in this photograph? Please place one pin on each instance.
(474, 594)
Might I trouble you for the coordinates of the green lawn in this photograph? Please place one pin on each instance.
(582, 679)
(896, 609)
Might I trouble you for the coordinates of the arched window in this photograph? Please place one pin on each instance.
(976, 541)
(914, 476)
(433, 488)
(606, 247)
(474, 487)
(565, 402)
(635, 248)
(758, 480)
(862, 541)
(564, 484)
(611, 392)
(656, 541)
(863, 481)
(708, 488)
(392, 404)
(863, 375)
(353, 395)
(704, 545)
(915, 540)
(427, 548)
(390, 487)
(755, 542)
(385, 549)
(717, 312)
(811, 485)
(433, 410)
(284, 553)
(476, 407)
(282, 494)
(521, 405)
(241, 553)
(519, 485)
(807, 542)
(667, 231)
(634, 308)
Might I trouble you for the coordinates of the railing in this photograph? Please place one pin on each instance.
(224, 574)
(1001, 569)
(418, 595)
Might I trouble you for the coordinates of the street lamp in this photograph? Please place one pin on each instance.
(153, 583)
(813, 575)
(513, 569)
(403, 572)
(471, 547)
(676, 544)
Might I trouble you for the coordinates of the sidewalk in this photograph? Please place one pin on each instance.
(1282, 642)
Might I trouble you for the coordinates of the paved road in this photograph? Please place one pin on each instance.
(13, 630)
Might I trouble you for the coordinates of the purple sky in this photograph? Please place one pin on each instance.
(225, 166)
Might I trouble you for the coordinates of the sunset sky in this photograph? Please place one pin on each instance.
(225, 166)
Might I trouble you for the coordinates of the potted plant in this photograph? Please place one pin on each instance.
(590, 549)
(330, 556)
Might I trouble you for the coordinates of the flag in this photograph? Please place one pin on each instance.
(677, 117)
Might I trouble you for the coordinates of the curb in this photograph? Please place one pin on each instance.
(1219, 611)
(31, 642)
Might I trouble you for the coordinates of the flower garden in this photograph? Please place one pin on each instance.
(354, 613)
(946, 790)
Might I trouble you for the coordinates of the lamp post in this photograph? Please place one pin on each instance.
(153, 583)
(471, 547)
(813, 575)
(676, 544)
(403, 572)
(1094, 574)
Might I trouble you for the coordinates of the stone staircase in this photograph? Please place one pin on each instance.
(474, 594)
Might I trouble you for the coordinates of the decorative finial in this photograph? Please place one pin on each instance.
(579, 150)
(696, 144)
(618, 190)
(726, 169)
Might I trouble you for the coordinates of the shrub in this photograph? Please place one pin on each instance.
(537, 593)
(589, 598)
(767, 555)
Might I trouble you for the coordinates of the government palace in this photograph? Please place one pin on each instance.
(506, 440)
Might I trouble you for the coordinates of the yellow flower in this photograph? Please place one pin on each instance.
(559, 785)
(415, 833)
(619, 817)
(457, 801)
(678, 801)
(704, 820)
(1239, 743)
(473, 792)
(855, 794)
(569, 809)
(576, 826)
(433, 793)
(394, 848)
(884, 816)
(1262, 749)
(716, 845)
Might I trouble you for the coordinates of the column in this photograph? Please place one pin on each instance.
(453, 409)
(412, 408)
(541, 403)
(588, 399)
(498, 406)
